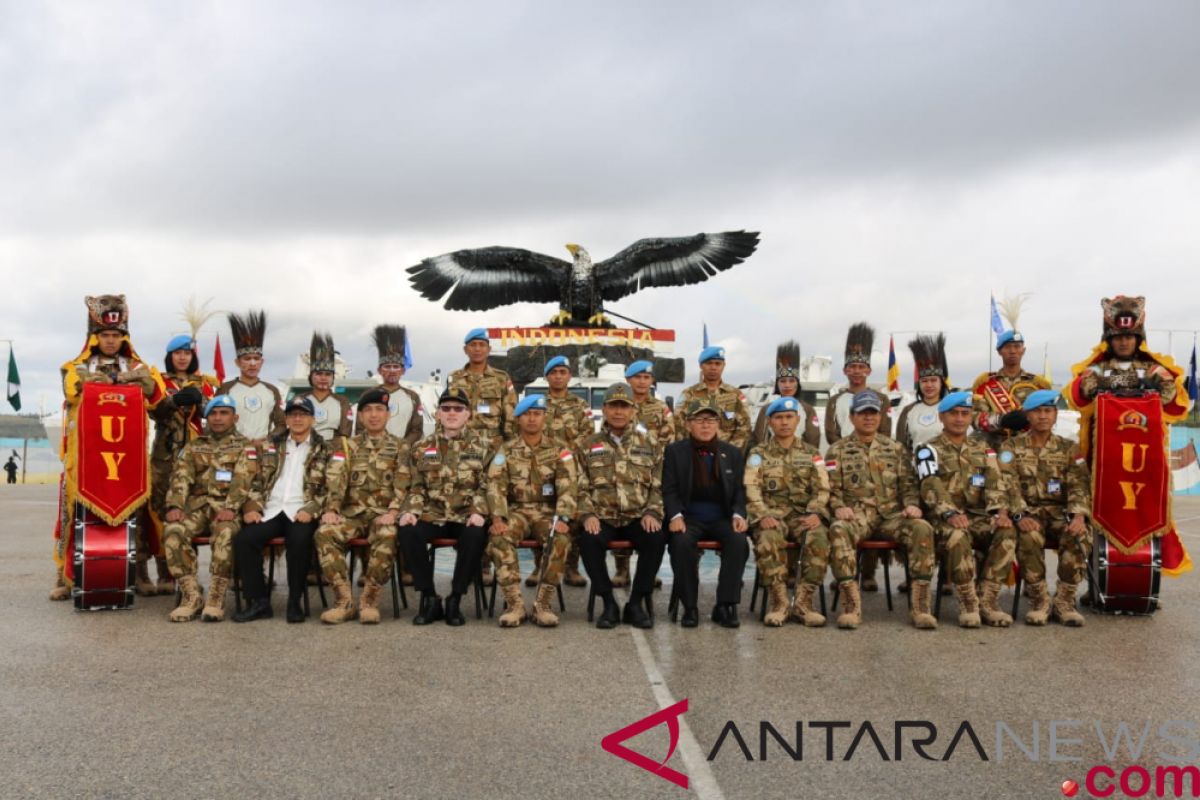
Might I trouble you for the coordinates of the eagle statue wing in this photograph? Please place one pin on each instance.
(672, 262)
(478, 280)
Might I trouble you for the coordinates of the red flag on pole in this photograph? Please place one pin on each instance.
(218, 363)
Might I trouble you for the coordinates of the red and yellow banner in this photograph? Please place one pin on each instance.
(112, 476)
(1131, 479)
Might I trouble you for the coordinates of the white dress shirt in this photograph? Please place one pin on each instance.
(287, 495)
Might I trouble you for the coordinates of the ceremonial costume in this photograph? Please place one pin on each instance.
(998, 395)
(331, 413)
(259, 406)
(859, 341)
(405, 414)
(919, 421)
(787, 365)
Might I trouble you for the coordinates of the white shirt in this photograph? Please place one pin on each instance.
(287, 495)
(327, 414)
(924, 423)
(254, 406)
(400, 411)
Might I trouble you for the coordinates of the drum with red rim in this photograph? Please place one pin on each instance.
(105, 561)
(1125, 583)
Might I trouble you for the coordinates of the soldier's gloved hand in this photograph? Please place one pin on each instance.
(1015, 421)
(187, 397)
(1154, 379)
(1089, 384)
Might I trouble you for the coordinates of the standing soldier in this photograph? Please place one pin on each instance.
(259, 409)
(491, 400)
(966, 493)
(568, 420)
(998, 395)
(787, 499)
(211, 481)
(620, 497)
(653, 414)
(530, 486)
(366, 480)
(787, 384)
(1052, 500)
(873, 495)
(333, 417)
(405, 414)
(447, 499)
(176, 422)
(919, 421)
(730, 402)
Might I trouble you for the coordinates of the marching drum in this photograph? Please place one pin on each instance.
(105, 560)
(1125, 583)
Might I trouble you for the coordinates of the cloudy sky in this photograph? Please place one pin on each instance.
(901, 161)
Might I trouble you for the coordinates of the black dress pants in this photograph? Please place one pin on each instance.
(593, 549)
(249, 544)
(415, 539)
(735, 549)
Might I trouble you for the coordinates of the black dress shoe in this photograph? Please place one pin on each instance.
(610, 617)
(691, 617)
(430, 610)
(718, 613)
(258, 609)
(454, 615)
(730, 618)
(295, 609)
(635, 615)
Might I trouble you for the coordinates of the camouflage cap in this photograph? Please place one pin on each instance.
(702, 405)
(619, 393)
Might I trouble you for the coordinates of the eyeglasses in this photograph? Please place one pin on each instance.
(452, 409)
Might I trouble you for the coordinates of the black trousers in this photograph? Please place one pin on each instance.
(415, 539)
(593, 549)
(250, 541)
(735, 549)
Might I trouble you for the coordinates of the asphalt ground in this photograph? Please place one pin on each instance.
(125, 704)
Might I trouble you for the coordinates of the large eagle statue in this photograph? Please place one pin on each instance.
(478, 280)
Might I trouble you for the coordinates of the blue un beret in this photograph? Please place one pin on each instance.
(476, 333)
(1009, 336)
(180, 342)
(220, 401)
(534, 401)
(955, 400)
(638, 367)
(557, 361)
(712, 353)
(783, 404)
(1042, 397)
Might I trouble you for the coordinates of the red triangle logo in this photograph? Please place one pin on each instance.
(669, 715)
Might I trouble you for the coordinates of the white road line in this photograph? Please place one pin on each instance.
(700, 776)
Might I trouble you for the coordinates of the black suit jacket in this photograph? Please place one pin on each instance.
(677, 478)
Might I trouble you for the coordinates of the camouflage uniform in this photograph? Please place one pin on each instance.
(492, 402)
(1051, 484)
(568, 419)
(989, 408)
(787, 484)
(811, 434)
(366, 477)
(735, 416)
(654, 418)
(839, 408)
(527, 486)
(214, 472)
(966, 479)
(173, 428)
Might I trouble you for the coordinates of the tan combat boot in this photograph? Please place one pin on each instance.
(514, 613)
(851, 616)
(165, 583)
(990, 606)
(571, 576)
(1064, 605)
(60, 591)
(802, 608)
(214, 609)
(621, 576)
(968, 604)
(543, 608)
(777, 605)
(921, 616)
(1039, 603)
(535, 575)
(368, 603)
(141, 578)
(191, 600)
(342, 609)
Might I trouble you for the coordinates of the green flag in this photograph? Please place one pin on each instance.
(14, 382)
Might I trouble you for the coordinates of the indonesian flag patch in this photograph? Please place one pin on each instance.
(565, 455)
(338, 456)
(251, 453)
(991, 453)
(818, 462)
(831, 464)
(1080, 460)
(430, 452)
(597, 448)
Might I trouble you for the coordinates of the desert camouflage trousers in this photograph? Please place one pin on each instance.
(333, 539)
(915, 534)
(181, 553)
(527, 523)
(1073, 551)
(999, 547)
(770, 551)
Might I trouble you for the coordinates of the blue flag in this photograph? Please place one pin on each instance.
(997, 323)
(407, 353)
(1192, 388)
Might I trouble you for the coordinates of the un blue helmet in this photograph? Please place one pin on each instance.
(1042, 397)
(530, 401)
(955, 400)
(220, 401)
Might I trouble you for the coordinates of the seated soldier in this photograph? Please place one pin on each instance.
(787, 498)
(446, 499)
(620, 498)
(530, 486)
(873, 494)
(966, 493)
(366, 481)
(1052, 501)
(209, 484)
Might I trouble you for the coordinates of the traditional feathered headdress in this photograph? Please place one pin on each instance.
(859, 341)
(929, 353)
(389, 341)
(248, 331)
(321, 355)
(787, 360)
(195, 315)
